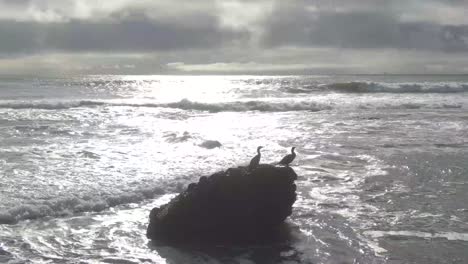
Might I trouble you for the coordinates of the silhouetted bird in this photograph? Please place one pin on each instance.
(288, 158)
(255, 160)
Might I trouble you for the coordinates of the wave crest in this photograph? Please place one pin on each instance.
(71, 205)
(261, 106)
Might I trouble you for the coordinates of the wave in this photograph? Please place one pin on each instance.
(238, 106)
(376, 87)
(49, 105)
(73, 204)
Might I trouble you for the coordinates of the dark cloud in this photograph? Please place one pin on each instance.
(134, 34)
(360, 30)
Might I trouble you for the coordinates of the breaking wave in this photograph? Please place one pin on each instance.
(49, 105)
(71, 205)
(241, 106)
(376, 87)
(261, 106)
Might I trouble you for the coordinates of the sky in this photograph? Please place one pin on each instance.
(233, 36)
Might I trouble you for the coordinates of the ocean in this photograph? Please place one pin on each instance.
(382, 164)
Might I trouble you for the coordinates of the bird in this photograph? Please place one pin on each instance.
(288, 158)
(255, 160)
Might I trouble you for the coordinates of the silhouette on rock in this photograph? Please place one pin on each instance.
(236, 205)
(255, 160)
(286, 160)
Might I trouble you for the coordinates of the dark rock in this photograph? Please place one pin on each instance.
(210, 144)
(234, 205)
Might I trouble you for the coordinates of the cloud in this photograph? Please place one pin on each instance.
(144, 25)
(133, 34)
(234, 35)
(294, 25)
(46, 11)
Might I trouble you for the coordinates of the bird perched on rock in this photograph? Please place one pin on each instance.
(288, 158)
(255, 160)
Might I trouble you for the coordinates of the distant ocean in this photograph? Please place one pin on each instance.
(382, 164)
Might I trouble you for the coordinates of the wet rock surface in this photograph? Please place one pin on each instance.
(236, 205)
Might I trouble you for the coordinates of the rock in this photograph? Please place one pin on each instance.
(229, 206)
(210, 144)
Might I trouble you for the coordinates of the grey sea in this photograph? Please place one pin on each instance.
(382, 164)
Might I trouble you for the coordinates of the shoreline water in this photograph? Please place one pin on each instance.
(381, 173)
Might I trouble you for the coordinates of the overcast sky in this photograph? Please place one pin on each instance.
(233, 36)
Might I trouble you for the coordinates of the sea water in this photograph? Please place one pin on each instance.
(382, 164)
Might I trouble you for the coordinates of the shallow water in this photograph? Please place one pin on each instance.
(381, 163)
